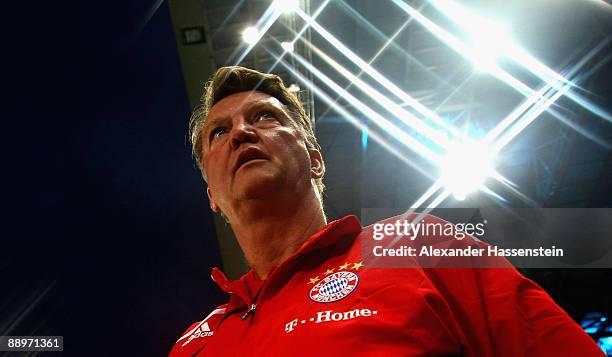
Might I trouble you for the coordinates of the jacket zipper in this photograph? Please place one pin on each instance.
(249, 311)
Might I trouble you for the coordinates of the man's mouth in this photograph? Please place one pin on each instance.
(248, 155)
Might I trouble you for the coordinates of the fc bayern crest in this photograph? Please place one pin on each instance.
(334, 287)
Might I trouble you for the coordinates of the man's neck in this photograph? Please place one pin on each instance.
(269, 234)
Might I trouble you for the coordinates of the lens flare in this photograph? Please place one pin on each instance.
(250, 35)
(465, 168)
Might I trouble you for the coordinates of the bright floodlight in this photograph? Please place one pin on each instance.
(250, 35)
(490, 41)
(465, 167)
(287, 46)
(286, 6)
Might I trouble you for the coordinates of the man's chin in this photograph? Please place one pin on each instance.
(256, 185)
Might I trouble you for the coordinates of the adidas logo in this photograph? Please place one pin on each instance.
(202, 331)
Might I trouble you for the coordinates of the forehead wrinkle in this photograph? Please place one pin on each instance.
(265, 102)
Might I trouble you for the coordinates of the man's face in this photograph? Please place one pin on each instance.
(251, 149)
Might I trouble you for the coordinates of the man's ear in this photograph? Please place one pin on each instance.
(213, 206)
(317, 166)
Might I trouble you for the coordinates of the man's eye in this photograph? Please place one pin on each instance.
(217, 132)
(264, 116)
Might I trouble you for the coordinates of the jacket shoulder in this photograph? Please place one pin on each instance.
(197, 335)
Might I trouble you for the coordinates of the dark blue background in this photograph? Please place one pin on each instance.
(107, 237)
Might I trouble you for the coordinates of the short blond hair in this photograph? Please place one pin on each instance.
(230, 80)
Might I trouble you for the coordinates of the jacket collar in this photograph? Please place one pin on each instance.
(244, 290)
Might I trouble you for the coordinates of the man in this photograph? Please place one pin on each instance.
(308, 291)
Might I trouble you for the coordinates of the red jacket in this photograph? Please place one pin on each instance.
(323, 301)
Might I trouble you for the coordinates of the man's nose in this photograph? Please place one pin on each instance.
(242, 133)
